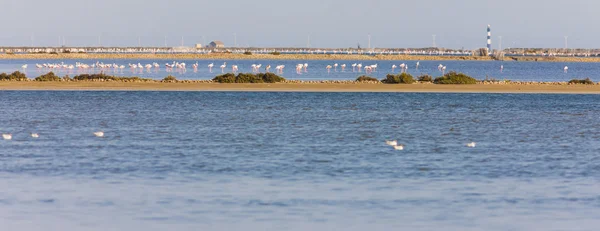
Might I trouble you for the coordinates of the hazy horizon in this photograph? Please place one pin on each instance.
(329, 23)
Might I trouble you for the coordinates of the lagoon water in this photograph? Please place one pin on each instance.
(516, 71)
(299, 161)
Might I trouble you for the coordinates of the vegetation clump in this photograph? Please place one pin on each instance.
(247, 53)
(425, 78)
(170, 79)
(581, 81)
(455, 78)
(275, 53)
(249, 78)
(15, 76)
(50, 76)
(403, 78)
(104, 77)
(225, 78)
(365, 78)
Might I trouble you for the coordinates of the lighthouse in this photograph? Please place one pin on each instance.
(489, 39)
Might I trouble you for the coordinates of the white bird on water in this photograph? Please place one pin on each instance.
(223, 67)
(24, 66)
(399, 147)
(99, 134)
(471, 145)
(391, 142)
(7, 136)
(210, 66)
(35, 135)
(566, 69)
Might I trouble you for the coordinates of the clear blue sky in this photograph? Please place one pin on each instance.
(282, 23)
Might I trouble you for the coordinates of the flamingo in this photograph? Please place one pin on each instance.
(305, 67)
(280, 69)
(353, 67)
(374, 67)
(299, 68)
(501, 68)
(195, 66)
(223, 67)
(335, 65)
(253, 67)
(343, 67)
(393, 68)
(38, 66)
(417, 65)
(24, 66)
(359, 66)
(210, 66)
(267, 68)
(402, 66)
(328, 68)
(443, 70)
(566, 69)
(440, 67)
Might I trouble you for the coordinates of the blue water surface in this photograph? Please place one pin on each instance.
(298, 161)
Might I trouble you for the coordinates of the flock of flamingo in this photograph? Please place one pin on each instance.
(181, 66)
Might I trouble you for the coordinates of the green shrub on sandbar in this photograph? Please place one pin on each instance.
(365, 78)
(50, 76)
(403, 78)
(15, 76)
(170, 79)
(225, 78)
(425, 78)
(582, 81)
(455, 78)
(248, 78)
(104, 77)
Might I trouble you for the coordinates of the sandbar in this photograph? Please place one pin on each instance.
(298, 87)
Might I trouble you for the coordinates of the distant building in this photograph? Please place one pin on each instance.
(198, 45)
(216, 44)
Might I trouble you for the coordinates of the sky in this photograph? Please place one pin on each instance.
(283, 23)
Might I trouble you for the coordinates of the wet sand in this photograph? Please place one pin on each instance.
(295, 87)
(224, 56)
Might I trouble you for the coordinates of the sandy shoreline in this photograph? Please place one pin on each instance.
(291, 87)
(223, 56)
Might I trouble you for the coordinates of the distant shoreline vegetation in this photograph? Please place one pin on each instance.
(253, 78)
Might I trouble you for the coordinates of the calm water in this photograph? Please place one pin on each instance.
(528, 71)
(299, 161)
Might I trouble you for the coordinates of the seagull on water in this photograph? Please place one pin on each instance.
(391, 142)
(7, 136)
(35, 135)
(99, 134)
(471, 145)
